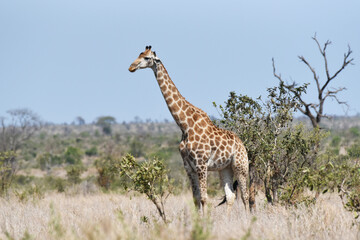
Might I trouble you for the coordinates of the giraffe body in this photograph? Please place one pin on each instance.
(203, 147)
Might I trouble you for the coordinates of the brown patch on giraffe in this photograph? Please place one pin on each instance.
(202, 123)
(207, 147)
(159, 75)
(175, 109)
(196, 117)
(180, 104)
(160, 81)
(222, 148)
(207, 131)
(176, 118)
(191, 132)
(183, 125)
(201, 145)
(191, 138)
(190, 122)
(163, 88)
(169, 100)
(182, 116)
(189, 111)
(175, 96)
(197, 129)
(197, 138)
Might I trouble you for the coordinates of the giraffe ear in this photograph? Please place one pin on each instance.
(149, 47)
(154, 54)
(146, 48)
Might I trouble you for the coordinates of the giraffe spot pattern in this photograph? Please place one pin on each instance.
(204, 146)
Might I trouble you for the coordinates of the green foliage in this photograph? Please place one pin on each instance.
(23, 183)
(355, 131)
(105, 123)
(354, 151)
(335, 141)
(73, 155)
(333, 173)
(107, 168)
(91, 152)
(149, 178)
(276, 147)
(47, 160)
(136, 148)
(7, 171)
(73, 173)
(35, 192)
(163, 153)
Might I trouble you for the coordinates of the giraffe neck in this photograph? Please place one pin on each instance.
(174, 100)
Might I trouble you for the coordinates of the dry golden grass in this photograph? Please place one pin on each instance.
(111, 216)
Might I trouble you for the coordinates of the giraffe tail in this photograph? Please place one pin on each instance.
(235, 185)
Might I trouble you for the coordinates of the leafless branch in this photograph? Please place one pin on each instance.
(318, 108)
(316, 77)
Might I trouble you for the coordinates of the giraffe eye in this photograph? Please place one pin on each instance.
(147, 58)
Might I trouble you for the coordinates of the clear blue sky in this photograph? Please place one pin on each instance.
(64, 59)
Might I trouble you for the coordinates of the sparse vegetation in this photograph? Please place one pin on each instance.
(68, 165)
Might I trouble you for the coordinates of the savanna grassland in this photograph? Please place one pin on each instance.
(117, 216)
(63, 187)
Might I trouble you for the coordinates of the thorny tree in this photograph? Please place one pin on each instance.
(315, 111)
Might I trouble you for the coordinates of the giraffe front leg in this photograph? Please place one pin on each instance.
(202, 175)
(194, 181)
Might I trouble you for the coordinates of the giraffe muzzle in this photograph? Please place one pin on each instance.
(133, 67)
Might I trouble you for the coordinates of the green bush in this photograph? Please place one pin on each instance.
(47, 160)
(277, 148)
(107, 168)
(354, 151)
(7, 171)
(73, 173)
(73, 155)
(335, 141)
(355, 131)
(91, 152)
(149, 178)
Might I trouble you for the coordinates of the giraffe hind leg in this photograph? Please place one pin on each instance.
(226, 176)
(241, 171)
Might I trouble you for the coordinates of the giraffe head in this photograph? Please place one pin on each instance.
(146, 59)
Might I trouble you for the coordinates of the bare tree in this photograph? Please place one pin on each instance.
(20, 127)
(315, 111)
(14, 131)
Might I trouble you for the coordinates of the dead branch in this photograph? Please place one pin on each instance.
(315, 110)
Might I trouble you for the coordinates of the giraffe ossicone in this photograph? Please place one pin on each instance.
(204, 147)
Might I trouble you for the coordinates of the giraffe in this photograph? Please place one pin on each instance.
(204, 147)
